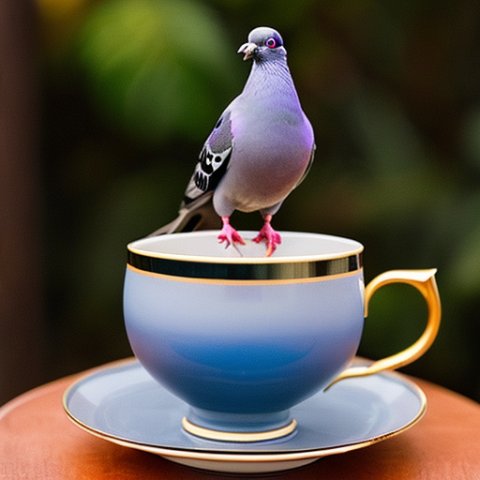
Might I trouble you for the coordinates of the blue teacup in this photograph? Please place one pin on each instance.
(242, 338)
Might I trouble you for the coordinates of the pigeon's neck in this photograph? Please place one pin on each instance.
(271, 78)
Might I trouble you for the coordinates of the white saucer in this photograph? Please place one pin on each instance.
(124, 405)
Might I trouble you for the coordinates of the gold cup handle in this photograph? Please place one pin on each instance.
(424, 282)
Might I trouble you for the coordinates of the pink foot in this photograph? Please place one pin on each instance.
(229, 235)
(268, 234)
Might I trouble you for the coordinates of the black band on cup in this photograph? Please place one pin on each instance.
(245, 271)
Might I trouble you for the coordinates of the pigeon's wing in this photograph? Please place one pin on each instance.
(213, 160)
(198, 215)
(196, 211)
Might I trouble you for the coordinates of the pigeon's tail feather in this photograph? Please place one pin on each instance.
(196, 215)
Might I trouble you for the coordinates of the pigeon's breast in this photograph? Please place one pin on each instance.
(270, 155)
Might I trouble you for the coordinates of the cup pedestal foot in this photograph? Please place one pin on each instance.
(238, 436)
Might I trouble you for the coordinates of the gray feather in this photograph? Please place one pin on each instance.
(198, 215)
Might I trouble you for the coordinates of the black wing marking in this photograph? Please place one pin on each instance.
(208, 172)
(213, 160)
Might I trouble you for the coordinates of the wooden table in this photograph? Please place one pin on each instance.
(37, 441)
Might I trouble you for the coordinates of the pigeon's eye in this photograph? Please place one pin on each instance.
(271, 43)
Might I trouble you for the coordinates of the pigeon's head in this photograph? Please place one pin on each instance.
(264, 44)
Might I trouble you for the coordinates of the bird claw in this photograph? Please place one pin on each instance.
(271, 236)
(230, 236)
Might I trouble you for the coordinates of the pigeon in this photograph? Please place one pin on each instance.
(260, 149)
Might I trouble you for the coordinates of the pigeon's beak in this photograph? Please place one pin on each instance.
(248, 49)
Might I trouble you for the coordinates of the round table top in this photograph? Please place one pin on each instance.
(38, 441)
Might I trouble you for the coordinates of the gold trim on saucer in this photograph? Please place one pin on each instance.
(229, 461)
(240, 437)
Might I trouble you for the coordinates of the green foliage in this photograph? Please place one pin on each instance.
(151, 64)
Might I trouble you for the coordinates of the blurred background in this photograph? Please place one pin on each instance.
(104, 107)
